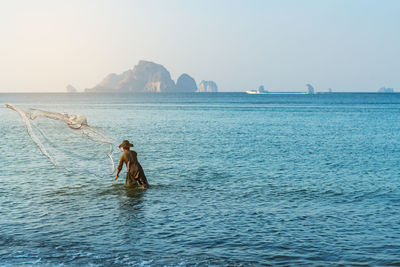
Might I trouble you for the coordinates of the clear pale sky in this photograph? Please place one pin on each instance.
(284, 44)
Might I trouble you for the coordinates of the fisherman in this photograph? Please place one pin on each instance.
(135, 174)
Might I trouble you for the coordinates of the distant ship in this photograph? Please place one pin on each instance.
(259, 91)
(262, 91)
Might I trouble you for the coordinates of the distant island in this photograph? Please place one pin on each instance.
(310, 89)
(208, 86)
(71, 89)
(148, 76)
(386, 90)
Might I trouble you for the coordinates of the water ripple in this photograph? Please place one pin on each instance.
(235, 181)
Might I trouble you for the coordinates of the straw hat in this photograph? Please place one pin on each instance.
(125, 144)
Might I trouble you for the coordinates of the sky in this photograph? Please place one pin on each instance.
(281, 44)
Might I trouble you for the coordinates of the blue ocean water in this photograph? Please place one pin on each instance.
(237, 180)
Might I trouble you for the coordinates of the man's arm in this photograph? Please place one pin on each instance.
(116, 177)
(121, 162)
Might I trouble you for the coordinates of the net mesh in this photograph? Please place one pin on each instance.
(69, 141)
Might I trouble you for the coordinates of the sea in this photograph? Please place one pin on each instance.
(236, 180)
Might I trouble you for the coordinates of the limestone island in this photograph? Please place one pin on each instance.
(386, 90)
(71, 89)
(148, 76)
(208, 87)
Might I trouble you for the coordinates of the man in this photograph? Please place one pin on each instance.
(135, 174)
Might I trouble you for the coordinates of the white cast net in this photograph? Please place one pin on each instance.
(69, 141)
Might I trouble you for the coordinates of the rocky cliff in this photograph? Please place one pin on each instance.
(208, 87)
(148, 76)
(111, 82)
(144, 77)
(185, 83)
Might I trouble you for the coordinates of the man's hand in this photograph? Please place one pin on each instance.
(117, 174)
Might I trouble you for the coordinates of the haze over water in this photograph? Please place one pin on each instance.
(282, 44)
(236, 180)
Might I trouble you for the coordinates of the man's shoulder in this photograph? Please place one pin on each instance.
(130, 152)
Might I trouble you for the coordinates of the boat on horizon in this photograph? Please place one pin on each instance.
(259, 91)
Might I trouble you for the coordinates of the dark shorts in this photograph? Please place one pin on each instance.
(131, 181)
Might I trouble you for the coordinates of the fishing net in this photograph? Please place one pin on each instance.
(69, 141)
